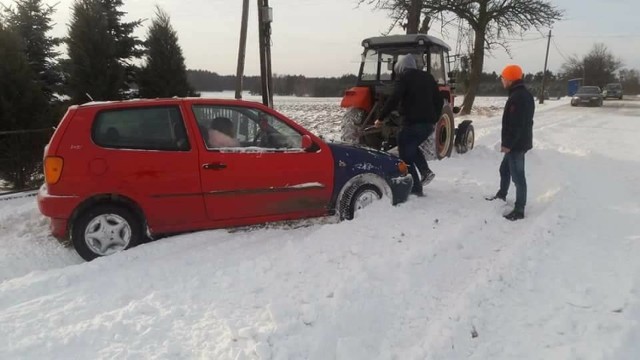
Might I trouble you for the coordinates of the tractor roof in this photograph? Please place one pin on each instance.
(403, 40)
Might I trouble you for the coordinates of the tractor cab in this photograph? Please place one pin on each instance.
(381, 54)
(376, 80)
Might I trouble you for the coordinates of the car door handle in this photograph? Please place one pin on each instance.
(214, 166)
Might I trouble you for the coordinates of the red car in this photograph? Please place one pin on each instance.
(120, 172)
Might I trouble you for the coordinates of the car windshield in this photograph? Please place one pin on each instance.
(613, 86)
(589, 90)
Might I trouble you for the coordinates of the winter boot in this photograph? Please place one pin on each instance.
(515, 215)
(496, 196)
(426, 175)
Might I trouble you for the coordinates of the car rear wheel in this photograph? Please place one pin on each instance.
(357, 197)
(104, 230)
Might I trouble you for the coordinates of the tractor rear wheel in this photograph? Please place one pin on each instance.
(445, 133)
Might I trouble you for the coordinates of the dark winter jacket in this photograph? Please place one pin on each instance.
(417, 93)
(517, 120)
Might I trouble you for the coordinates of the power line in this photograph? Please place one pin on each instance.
(558, 49)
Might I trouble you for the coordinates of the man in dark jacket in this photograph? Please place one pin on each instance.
(517, 138)
(421, 104)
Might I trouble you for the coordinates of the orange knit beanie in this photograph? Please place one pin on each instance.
(512, 72)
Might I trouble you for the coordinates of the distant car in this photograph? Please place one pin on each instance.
(613, 90)
(587, 95)
(119, 172)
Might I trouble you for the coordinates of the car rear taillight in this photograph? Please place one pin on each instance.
(52, 169)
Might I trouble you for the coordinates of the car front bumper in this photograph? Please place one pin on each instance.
(400, 188)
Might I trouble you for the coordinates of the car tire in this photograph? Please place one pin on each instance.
(356, 198)
(350, 125)
(105, 229)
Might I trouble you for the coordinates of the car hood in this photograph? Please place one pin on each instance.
(360, 149)
(363, 158)
(587, 95)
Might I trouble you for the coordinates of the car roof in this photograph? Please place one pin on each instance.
(173, 100)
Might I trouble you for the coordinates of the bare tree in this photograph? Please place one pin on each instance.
(405, 13)
(598, 67)
(491, 21)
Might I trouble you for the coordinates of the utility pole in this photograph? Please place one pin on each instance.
(544, 73)
(264, 36)
(267, 45)
(242, 48)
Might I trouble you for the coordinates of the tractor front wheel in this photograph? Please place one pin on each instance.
(465, 137)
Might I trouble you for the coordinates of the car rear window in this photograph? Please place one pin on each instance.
(145, 128)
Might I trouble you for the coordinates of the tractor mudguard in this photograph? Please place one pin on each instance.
(357, 97)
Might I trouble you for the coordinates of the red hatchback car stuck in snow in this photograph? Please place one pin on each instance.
(120, 172)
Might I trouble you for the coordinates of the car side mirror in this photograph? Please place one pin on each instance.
(456, 109)
(307, 143)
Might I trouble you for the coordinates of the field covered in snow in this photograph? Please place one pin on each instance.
(439, 277)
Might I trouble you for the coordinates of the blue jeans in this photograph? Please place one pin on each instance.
(512, 168)
(409, 140)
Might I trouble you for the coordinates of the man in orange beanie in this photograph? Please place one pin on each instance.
(517, 138)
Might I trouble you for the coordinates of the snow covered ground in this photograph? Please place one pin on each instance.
(439, 277)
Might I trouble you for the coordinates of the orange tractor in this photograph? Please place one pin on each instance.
(375, 84)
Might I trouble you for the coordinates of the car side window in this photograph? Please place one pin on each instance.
(241, 129)
(144, 128)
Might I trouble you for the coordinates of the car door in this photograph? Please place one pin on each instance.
(260, 170)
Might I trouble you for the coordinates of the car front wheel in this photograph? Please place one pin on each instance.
(104, 230)
(357, 197)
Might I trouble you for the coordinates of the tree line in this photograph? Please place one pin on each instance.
(295, 85)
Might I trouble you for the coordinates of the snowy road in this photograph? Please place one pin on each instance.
(440, 277)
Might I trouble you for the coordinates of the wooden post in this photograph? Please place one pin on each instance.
(263, 63)
(242, 48)
(267, 46)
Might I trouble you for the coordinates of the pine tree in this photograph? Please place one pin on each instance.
(23, 106)
(165, 73)
(31, 19)
(101, 51)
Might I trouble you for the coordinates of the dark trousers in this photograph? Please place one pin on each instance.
(409, 139)
(512, 168)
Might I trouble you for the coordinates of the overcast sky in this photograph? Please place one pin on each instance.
(322, 37)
